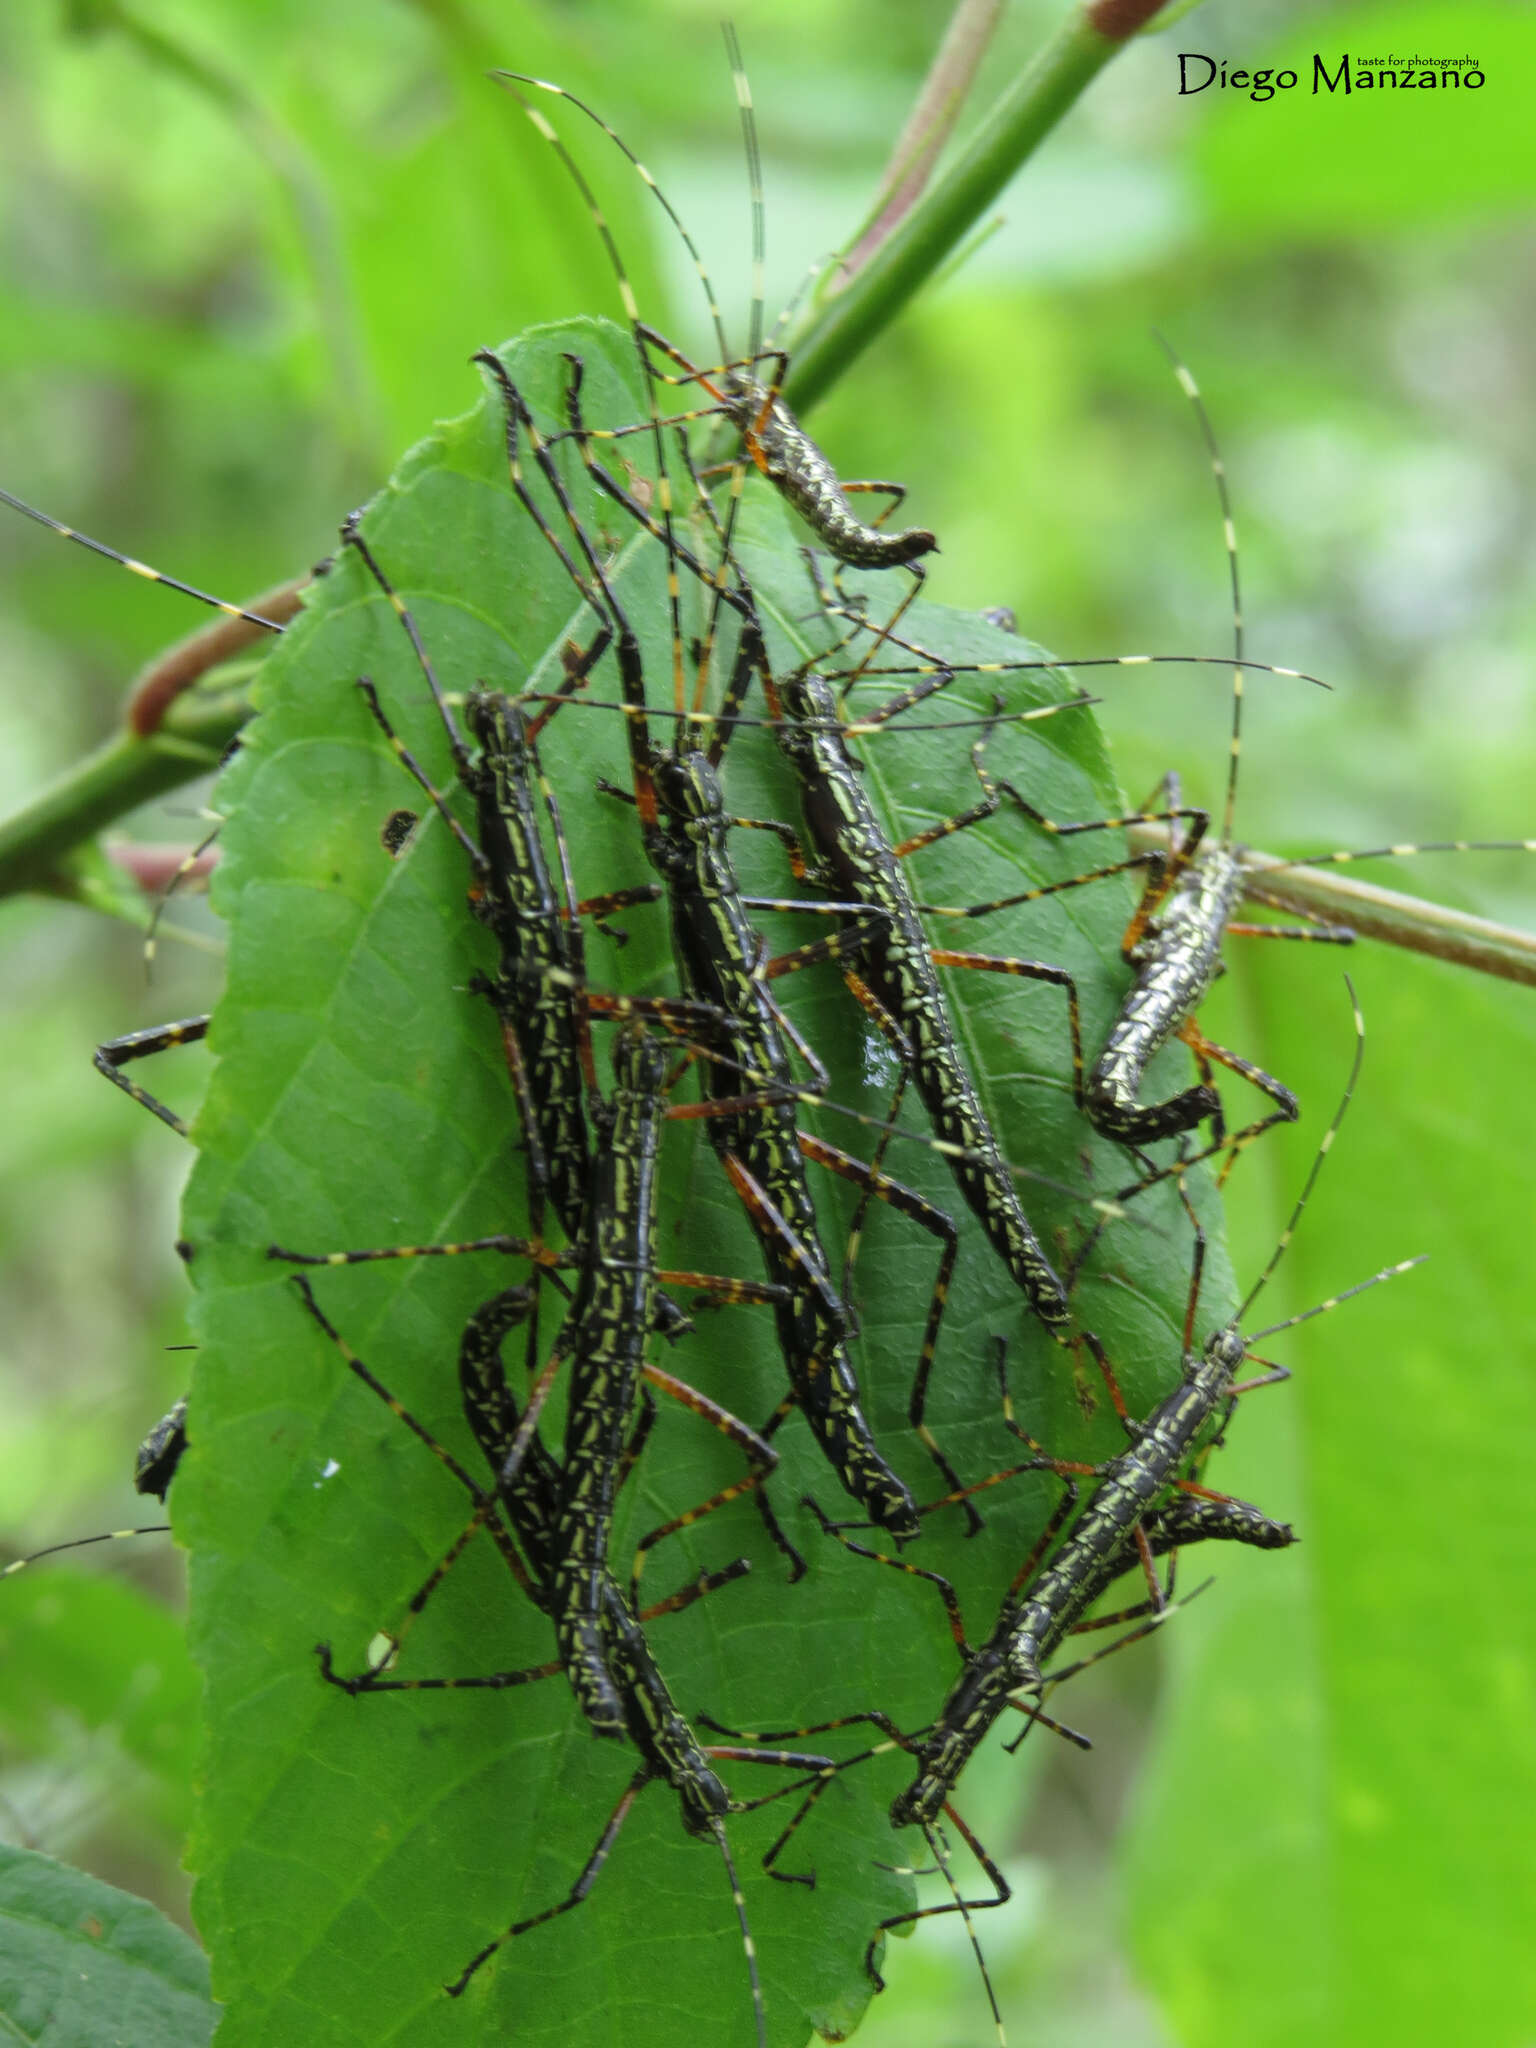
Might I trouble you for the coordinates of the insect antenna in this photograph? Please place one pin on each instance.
(137, 568)
(754, 156)
(82, 1543)
(758, 289)
(749, 1946)
(1283, 1241)
(1333, 1301)
(644, 337)
(940, 1848)
(1387, 1272)
(509, 81)
(1397, 852)
(1191, 390)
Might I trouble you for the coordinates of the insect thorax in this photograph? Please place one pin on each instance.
(753, 409)
(1190, 922)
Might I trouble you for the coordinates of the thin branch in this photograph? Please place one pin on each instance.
(161, 681)
(928, 128)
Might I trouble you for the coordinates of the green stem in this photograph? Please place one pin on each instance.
(36, 844)
(1021, 120)
(944, 92)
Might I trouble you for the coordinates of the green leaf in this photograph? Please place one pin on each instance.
(83, 1965)
(1402, 155)
(353, 1854)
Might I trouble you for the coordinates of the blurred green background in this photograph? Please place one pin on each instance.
(247, 248)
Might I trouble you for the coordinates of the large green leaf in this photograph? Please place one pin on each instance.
(351, 1855)
(83, 1965)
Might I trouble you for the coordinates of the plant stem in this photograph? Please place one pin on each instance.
(161, 681)
(35, 844)
(928, 128)
(1020, 121)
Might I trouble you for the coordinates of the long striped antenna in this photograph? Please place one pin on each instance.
(511, 79)
(1059, 661)
(1191, 390)
(1333, 1301)
(1317, 1164)
(936, 1842)
(794, 302)
(759, 2013)
(20, 1564)
(757, 290)
(645, 337)
(1338, 860)
(137, 568)
(754, 155)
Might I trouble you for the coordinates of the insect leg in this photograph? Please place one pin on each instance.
(117, 1053)
(1002, 1893)
(579, 1890)
(874, 1181)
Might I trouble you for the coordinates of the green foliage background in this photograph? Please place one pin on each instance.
(1325, 1833)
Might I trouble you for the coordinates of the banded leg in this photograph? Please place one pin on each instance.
(1286, 1111)
(1162, 866)
(493, 1417)
(363, 1684)
(505, 1309)
(578, 1892)
(117, 1053)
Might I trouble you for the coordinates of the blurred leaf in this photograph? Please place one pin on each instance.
(353, 1854)
(1317, 162)
(83, 1965)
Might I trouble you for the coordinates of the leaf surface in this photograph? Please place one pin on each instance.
(352, 1854)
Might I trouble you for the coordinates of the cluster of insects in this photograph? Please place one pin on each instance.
(682, 825)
